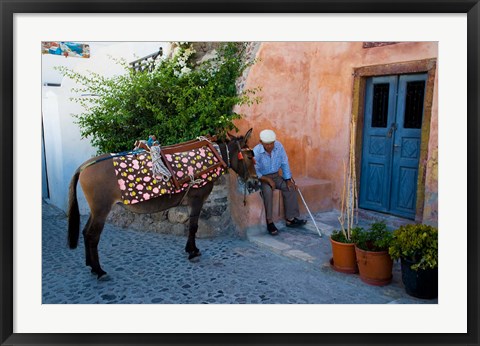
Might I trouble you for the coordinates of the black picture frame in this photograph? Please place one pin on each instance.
(9, 8)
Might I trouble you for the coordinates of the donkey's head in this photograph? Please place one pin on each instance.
(242, 160)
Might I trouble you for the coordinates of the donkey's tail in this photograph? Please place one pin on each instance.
(73, 212)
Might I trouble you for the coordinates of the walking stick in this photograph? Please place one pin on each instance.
(309, 213)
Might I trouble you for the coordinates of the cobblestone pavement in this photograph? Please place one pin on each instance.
(152, 268)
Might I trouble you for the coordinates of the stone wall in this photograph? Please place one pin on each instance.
(215, 219)
(250, 55)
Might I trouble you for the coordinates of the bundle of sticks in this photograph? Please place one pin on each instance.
(349, 208)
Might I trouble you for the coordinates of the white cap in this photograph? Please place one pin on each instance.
(267, 136)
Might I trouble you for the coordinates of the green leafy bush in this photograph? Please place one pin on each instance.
(339, 236)
(376, 238)
(417, 243)
(176, 101)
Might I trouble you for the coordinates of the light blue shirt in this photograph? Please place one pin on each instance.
(271, 163)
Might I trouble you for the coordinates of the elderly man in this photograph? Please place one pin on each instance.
(270, 157)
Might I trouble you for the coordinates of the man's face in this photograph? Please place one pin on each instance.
(268, 146)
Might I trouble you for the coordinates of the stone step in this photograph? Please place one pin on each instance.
(316, 192)
(392, 221)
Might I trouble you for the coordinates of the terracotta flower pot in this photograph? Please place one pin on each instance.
(375, 268)
(344, 259)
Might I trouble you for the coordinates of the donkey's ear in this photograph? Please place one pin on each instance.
(248, 134)
(230, 136)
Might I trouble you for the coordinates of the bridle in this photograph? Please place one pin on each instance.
(222, 148)
(245, 168)
(240, 156)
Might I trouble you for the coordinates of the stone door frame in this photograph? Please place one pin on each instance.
(360, 76)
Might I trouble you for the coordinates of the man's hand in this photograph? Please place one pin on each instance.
(268, 181)
(291, 185)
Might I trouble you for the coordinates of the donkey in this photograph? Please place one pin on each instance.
(99, 183)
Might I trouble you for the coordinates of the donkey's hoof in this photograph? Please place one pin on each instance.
(104, 277)
(100, 273)
(194, 254)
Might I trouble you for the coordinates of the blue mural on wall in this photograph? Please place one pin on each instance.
(66, 49)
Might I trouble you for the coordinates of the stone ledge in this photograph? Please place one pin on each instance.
(215, 219)
(317, 194)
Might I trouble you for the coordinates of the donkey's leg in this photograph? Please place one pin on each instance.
(195, 201)
(88, 261)
(92, 238)
(101, 191)
(190, 247)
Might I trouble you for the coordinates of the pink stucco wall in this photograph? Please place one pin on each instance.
(307, 92)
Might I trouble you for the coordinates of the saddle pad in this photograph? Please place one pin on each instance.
(190, 158)
(138, 184)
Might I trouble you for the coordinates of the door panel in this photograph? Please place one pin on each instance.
(377, 143)
(406, 148)
(391, 143)
(376, 179)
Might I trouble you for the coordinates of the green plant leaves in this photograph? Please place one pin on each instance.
(177, 101)
(376, 238)
(340, 237)
(418, 243)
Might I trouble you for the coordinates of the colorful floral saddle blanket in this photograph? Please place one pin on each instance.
(191, 165)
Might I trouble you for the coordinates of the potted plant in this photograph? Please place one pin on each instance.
(371, 248)
(416, 246)
(343, 258)
(343, 246)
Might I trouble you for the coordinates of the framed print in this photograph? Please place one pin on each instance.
(437, 46)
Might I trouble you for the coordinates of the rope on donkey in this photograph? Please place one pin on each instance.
(190, 184)
(159, 168)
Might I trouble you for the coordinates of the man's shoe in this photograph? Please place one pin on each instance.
(272, 229)
(295, 222)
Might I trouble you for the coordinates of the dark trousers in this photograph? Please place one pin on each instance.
(290, 202)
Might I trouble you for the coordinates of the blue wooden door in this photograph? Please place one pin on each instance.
(391, 143)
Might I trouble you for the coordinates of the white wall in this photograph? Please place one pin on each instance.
(65, 150)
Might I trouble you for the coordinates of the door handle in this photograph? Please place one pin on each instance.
(393, 127)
